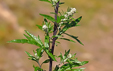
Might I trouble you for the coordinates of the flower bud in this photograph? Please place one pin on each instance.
(66, 16)
(42, 50)
(69, 56)
(61, 23)
(63, 19)
(65, 60)
(73, 10)
(36, 56)
(45, 28)
(54, 2)
(69, 13)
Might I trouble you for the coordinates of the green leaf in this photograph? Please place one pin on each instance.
(19, 41)
(52, 12)
(39, 52)
(59, 19)
(67, 39)
(36, 39)
(61, 57)
(66, 53)
(37, 68)
(46, 1)
(45, 20)
(31, 57)
(50, 54)
(84, 62)
(73, 55)
(67, 66)
(76, 38)
(46, 41)
(39, 41)
(48, 17)
(61, 3)
(28, 37)
(80, 63)
(75, 22)
(24, 41)
(79, 69)
(40, 27)
(56, 68)
(57, 42)
(72, 63)
(56, 36)
(28, 54)
(51, 29)
(46, 61)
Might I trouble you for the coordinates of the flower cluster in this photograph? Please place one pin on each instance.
(54, 2)
(67, 15)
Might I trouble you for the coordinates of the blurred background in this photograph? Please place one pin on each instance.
(95, 32)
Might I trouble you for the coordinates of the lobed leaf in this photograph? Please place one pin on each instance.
(24, 41)
(36, 39)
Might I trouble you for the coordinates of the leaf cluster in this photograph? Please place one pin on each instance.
(67, 61)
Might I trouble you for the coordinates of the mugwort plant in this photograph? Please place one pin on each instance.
(58, 25)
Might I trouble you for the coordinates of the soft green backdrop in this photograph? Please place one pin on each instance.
(96, 32)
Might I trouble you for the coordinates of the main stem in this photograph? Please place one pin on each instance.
(54, 33)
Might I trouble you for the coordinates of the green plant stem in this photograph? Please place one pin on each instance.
(38, 63)
(54, 33)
